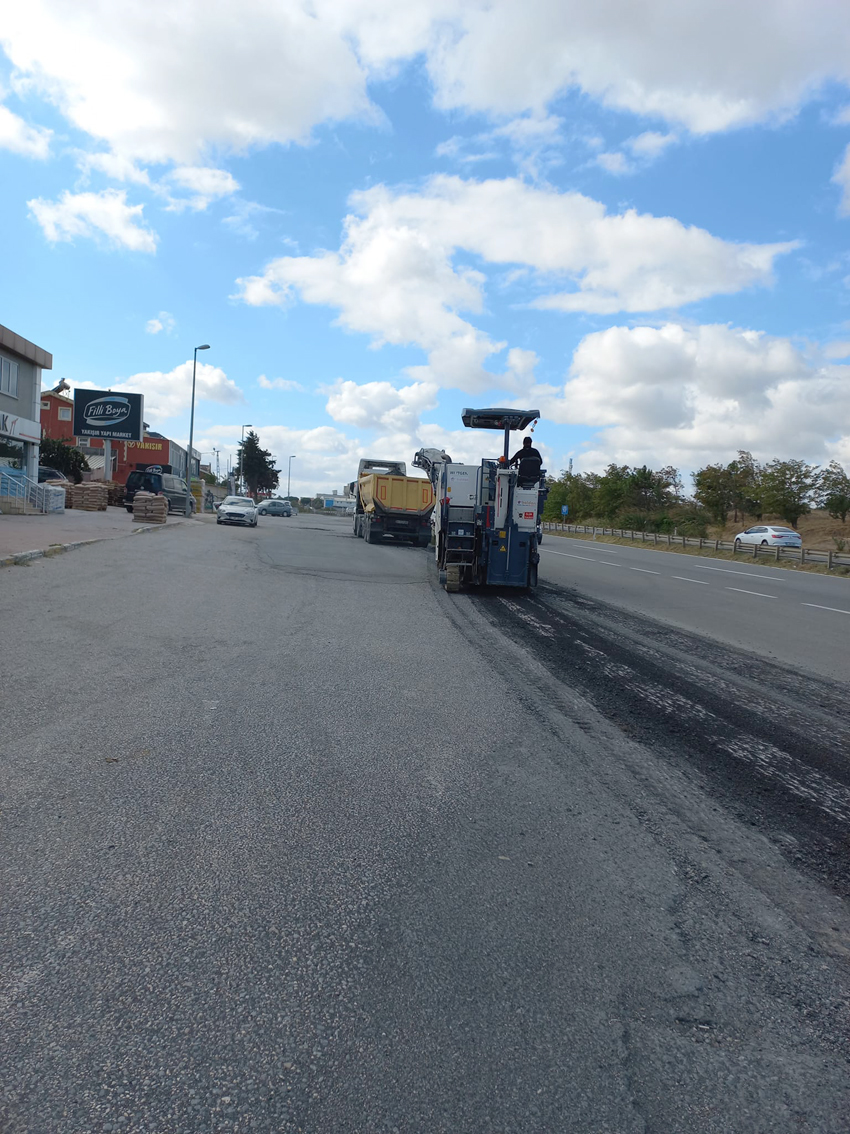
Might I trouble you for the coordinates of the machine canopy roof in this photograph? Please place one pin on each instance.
(498, 418)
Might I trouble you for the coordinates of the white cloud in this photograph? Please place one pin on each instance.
(534, 140)
(98, 215)
(707, 66)
(287, 384)
(114, 166)
(205, 183)
(394, 277)
(650, 144)
(163, 322)
(167, 88)
(841, 177)
(168, 394)
(837, 349)
(19, 138)
(614, 162)
(688, 395)
(171, 88)
(380, 405)
(245, 214)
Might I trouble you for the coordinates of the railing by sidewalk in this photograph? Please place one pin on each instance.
(21, 496)
(802, 555)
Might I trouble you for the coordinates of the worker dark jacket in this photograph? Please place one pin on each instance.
(526, 451)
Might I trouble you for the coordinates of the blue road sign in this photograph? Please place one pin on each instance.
(565, 509)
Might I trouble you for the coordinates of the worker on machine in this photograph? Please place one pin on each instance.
(528, 462)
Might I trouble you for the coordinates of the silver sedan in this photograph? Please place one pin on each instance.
(237, 510)
(769, 535)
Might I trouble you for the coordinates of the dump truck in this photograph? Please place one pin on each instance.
(391, 504)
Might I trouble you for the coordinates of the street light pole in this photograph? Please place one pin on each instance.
(289, 474)
(206, 346)
(242, 458)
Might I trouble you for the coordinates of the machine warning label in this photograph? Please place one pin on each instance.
(503, 548)
(528, 515)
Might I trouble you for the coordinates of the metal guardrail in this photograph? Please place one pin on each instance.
(802, 555)
(19, 494)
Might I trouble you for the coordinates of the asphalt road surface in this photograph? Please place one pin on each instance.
(799, 617)
(294, 841)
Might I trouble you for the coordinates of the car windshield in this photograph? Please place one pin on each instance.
(239, 501)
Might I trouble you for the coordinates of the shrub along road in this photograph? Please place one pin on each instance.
(302, 843)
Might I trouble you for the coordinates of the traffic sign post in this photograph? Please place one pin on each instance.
(565, 509)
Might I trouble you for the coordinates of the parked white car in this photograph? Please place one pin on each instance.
(237, 510)
(769, 535)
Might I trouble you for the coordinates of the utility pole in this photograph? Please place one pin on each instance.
(206, 346)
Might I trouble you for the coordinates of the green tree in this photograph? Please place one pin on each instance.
(574, 491)
(746, 475)
(611, 491)
(256, 466)
(647, 491)
(63, 457)
(787, 488)
(834, 491)
(714, 489)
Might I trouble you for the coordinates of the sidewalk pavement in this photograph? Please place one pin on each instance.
(29, 537)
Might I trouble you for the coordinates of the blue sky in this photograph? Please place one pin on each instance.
(633, 217)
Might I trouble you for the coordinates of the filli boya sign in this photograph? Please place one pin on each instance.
(99, 413)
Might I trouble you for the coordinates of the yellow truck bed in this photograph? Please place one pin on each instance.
(383, 493)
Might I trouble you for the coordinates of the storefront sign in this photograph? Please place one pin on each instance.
(98, 413)
(20, 427)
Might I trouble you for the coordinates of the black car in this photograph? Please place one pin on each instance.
(274, 507)
(162, 484)
(46, 474)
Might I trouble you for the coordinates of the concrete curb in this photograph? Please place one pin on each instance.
(20, 558)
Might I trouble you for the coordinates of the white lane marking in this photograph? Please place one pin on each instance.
(567, 555)
(701, 582)
(741, 591)
(586, 558)
(596, 546)
(643, 570)
(817, 606)
(740, 574)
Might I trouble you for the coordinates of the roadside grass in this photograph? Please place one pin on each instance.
(706, 553)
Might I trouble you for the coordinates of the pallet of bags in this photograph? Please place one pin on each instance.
(76, 495)
(115, 494)
(150, 508)
(93, 496)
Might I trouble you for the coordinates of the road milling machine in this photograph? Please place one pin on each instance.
(487, 515)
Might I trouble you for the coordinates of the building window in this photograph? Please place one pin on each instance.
(8, 377)
(11, 454)
(45, 405)
(64, 413)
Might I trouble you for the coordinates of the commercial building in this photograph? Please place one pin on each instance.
(21, 364)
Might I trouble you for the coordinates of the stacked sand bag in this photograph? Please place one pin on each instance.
(92, 496)
(149, 508)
